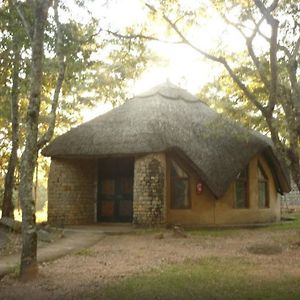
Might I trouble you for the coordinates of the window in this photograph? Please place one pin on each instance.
(241, 189)
(179, 186)
(263, 193)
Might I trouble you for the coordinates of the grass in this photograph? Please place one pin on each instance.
(234, 231)
(215, 232)
(265, 249)
(15, 271)
(85, 252)
(210, 278)
(287, 225)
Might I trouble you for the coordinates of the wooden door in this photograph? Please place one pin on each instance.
(115, 199)
(115, 189)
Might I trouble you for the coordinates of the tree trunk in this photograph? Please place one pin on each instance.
(29, 267)
(7, 204)
(295, 167)
(60, 58)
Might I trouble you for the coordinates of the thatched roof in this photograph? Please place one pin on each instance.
(168, 117)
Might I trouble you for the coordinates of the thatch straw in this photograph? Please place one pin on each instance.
(168, 117)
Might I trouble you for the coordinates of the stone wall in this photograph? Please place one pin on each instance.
(71, 191)
(291, 199)
(149, 191)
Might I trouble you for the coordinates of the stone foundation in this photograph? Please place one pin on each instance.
(71, 191)
(149, 195)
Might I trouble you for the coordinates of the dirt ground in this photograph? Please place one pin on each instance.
(116, 257)
(10, 242)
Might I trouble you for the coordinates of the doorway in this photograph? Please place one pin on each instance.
(115, 190)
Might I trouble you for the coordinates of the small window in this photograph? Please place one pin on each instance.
(241, 189)
(179, 187)
(263, 193)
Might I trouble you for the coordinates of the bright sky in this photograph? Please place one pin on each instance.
(182, 65)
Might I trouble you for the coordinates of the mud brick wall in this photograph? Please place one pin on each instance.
(71, 191)
(149, 205)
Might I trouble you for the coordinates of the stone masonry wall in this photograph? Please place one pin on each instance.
(149, 195)
(291, 199)
(71, 191)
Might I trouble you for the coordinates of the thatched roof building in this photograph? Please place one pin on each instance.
(169, 118)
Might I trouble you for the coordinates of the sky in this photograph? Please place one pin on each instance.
(180, 64)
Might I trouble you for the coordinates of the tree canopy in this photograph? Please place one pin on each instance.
(52, 67)
(98, 67)
(262, 79)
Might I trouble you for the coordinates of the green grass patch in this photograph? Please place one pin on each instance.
(288, 224)
(235, 231)
(85, 252)
(15, 271)
(210, 278)
(149, 231)
(215, 232)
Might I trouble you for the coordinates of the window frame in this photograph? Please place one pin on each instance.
(171, 189)
(246, 183)
(266, 182)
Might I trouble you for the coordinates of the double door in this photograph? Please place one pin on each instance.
(115, 199)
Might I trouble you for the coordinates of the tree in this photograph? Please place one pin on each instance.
(14, 44)
(65, 70)
(87, 79)
(36, 33)
(277, 26)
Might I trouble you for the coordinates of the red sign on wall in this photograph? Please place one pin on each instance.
(199, 187)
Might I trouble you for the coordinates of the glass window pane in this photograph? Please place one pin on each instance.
(179, 187)
(242, 174)
(262, 192)
(241, 186)
(180, 194)
(262, 188)
(177, 171)
(261, 175)
(241, 194)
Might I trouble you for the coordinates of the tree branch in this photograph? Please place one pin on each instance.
(257, 63)
(27, 26)
(139, 36)
(266, 12)
(280, 47)
(60, 78)
(184, 40)
(296, 50)
(243, 87)
(249, 44)
(220, 60)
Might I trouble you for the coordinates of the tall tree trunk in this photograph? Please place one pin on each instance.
(29, 267)
(7, 204)
(61, 66)
(295, 167)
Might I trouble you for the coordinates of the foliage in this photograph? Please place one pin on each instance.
(225, 97)
(262, 77)
(57, 60)
(99, 66)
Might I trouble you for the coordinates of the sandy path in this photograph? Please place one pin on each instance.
(116, 257)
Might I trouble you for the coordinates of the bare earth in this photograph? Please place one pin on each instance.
(116, 257)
